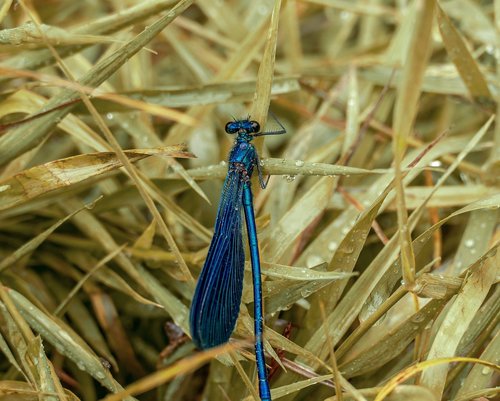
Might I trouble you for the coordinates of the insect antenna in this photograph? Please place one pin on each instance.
(275, 132)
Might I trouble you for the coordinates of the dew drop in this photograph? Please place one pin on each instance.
(299, 163)
(469, 243)
(344, 15)
(314, 260)
(418, 318)
(332, 246)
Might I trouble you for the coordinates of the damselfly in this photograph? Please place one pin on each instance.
(217, 298)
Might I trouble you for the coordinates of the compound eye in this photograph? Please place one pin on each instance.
(231, 128)
(255, 126)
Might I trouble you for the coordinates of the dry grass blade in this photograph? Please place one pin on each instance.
(34, 243)
(183, 367)
(65, 173)
(283, 234)
(21, 139)
(460, 315)
(262, 97)
(404, 113)
(383, 202)
(65, 340)
(401, 377)
(464, 61)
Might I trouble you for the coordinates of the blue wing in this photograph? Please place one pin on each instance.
(217, 297)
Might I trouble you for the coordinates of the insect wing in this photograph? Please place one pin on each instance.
(217, 297)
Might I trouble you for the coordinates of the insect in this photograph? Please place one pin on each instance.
(217, 297)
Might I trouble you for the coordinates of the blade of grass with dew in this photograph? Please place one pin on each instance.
(65, 340)
(464, 61)
(405, 111)
(35, 242)
(208, 94)
(459, 316)
(437, 80)
(351, 304)
(283, 391)
(31, 60)
(92, 227)
(63, 305)
(27, 36)
(479, 377)
(421, 367)
(281, 294)
(265, 75)
(231, 69)
(184, 366)
(473, 20)
(29, 102)
(22, 139)
(291, 225)
(83, 320)
(298, 167)
(128, 103)
(292, 168)
(112, 325)
(58, 174)
(377, 353)
(49, 382)
(244, 377)
(7, 351)
(294, 273)
(392, 276)
(132, 172)
(16, 335)
(160, 190)
(83, 261)
(333, 232)
(244, 328)
(24, 390)
(445, 197)
(482, 326)
(352, 123)
(478, 234)
(281, 194)
(344, 259)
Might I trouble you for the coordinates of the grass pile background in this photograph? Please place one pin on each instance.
(100, 247)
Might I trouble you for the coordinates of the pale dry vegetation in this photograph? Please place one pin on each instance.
(389, 171)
